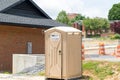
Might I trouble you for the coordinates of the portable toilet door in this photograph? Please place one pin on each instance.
(54, 55)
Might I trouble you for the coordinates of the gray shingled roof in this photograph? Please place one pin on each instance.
(6, 3)
(20, 20)
(7, 18)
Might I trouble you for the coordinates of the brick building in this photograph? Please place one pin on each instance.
(76, 24)
(72, 15)
(22, 24)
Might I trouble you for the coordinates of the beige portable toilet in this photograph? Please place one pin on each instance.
(63, 53)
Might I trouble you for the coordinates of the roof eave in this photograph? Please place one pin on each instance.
(26, 25)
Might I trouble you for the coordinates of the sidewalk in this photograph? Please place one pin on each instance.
(20, 77)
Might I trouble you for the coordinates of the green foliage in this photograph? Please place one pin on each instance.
(62, 17)
(100, 69)
(114, 12)
(116, 36)
(87, 23)
(77, 19)
(96, 23)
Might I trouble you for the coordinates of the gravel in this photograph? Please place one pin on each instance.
(33, 70)
(30, 73)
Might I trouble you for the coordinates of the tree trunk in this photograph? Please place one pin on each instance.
(86, 33)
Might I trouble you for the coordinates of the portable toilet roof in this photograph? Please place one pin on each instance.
(64, 29)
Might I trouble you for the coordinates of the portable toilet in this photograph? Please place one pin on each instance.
(63, 53)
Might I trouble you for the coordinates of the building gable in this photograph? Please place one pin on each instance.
(26, 8)
(25, 13)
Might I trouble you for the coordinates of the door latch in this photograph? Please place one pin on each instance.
(60, 52)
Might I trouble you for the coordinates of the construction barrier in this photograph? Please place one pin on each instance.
(101, 49)
(117, 54)
(83, 50)
(114, 53)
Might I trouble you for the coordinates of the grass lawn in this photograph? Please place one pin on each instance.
(101, 70)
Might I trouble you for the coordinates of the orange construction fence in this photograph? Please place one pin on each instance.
(83, 57)
(101, 48)
(117, 54)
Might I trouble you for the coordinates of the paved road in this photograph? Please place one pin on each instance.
(102, 57)
(93, 54)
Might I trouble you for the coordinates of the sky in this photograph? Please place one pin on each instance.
(88, 8)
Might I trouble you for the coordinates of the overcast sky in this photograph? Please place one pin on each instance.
(90, 8)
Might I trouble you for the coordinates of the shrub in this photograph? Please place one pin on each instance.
(116, 36)
(115, 26)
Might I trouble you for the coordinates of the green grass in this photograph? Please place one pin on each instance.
(41, 73)
(99, 69)
(6, 72)
(90, 65)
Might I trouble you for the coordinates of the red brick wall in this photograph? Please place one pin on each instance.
(14, 39)
(71, 15)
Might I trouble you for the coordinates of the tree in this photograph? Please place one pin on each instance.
(114, 12)
(115, 27)
(62, 17)
(96, 25)
(87, 23)
(76, 19)
(114, 16)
